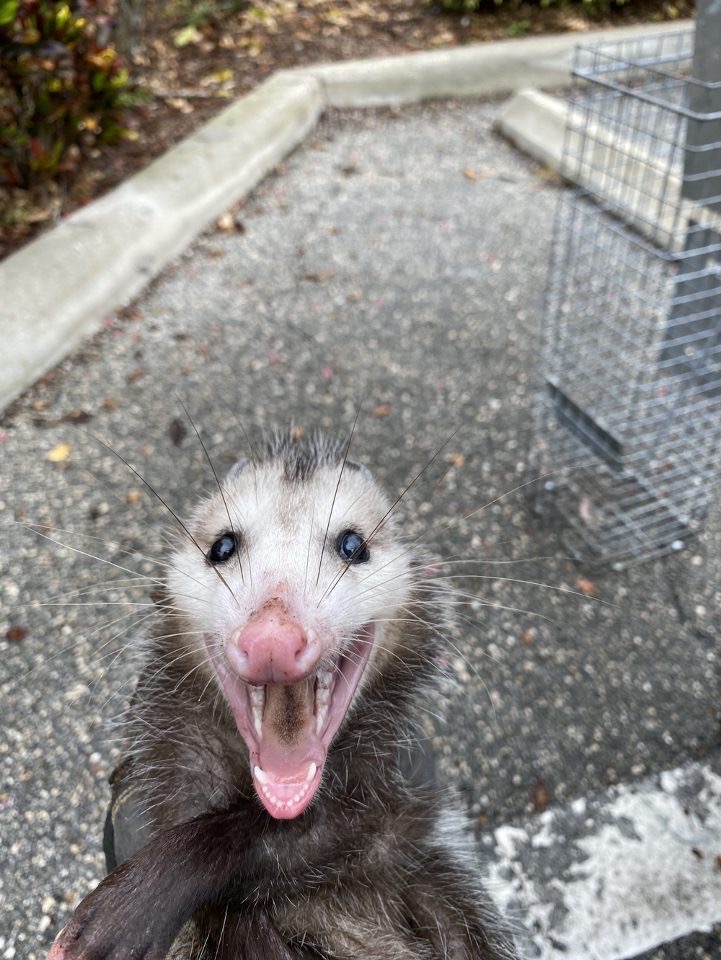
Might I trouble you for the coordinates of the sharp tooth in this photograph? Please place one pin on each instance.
(321, 714)
(324, 680)
(311, 772)
(261, 775)
(323, 686)
(257, 701)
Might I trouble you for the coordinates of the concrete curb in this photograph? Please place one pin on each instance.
(535, 123)
(481, 70)
(59, 288)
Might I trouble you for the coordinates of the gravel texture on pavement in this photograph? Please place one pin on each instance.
(397, 261)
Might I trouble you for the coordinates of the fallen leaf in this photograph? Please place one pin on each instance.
(133, 496)
(585, 509)
(470, 174)
(110, 403)
(76, 417)
(318, 277)
(59, 453)
(180, 104)
(381, 410)
(15, 634)
(586, 586)
(549, 176)
(177, 431)
(540, 796)
(456, 459)
(297, 433)
(220, 76)
(187, 35)
(40, 216)
(226, 223)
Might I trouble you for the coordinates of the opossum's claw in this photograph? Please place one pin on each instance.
(112, 924)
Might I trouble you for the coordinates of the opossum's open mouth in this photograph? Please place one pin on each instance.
(288, 728)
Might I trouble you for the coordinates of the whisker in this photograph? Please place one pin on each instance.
(215, 476)
(388, 513)
(38, 527)
(11, 684)
(335, 494)
(167, 507)
(307, 556)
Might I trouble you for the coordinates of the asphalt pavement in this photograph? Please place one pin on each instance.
(395, 261)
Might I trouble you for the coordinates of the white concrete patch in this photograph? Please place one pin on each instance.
(608, 878)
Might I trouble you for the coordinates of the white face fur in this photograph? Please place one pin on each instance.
(281, 527)
(285, 617)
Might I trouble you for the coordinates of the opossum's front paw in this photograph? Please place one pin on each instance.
(115, 923)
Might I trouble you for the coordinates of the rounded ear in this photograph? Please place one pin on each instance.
(237, 468)
(361, 468)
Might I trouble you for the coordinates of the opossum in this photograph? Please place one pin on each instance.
(296, 641)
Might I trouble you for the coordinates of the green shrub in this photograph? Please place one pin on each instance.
(594, 7)
(62, 85)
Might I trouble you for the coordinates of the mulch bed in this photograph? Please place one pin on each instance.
(227, 56)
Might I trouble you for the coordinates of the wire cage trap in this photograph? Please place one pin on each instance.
(628, 431)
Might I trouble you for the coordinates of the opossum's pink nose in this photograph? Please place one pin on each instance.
(272, 648)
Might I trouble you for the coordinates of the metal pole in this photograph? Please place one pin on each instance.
(692, 344)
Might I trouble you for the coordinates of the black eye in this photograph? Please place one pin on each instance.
(223, 548)
(352, 547)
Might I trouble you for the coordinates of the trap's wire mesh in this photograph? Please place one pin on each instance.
(629, 427)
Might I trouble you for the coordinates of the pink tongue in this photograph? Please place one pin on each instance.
(289, 742)
(288, 747)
